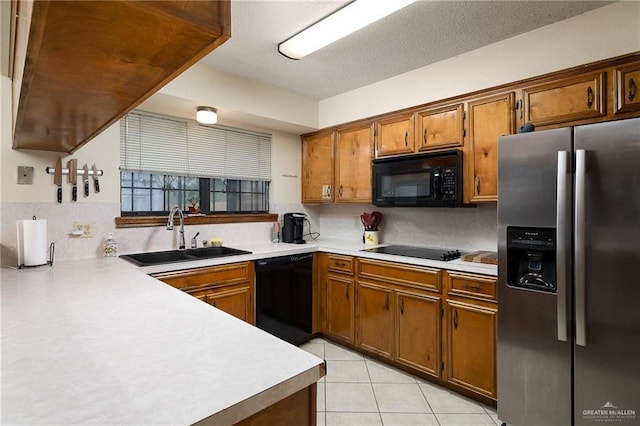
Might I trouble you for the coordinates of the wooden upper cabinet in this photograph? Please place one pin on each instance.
(569, 99)
(395, 135)
(354, 152)
(440, 127)
(88, 63)
(317, 168)
(627, 80)
(489, 118)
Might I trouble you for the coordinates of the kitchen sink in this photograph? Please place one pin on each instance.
(171, 256)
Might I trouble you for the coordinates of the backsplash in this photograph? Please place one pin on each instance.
(464, 228)
(472, 228)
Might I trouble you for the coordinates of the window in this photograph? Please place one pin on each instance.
(149, 194)
(167, 162)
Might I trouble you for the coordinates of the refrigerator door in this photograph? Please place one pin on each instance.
(534, 359)
(607, 360)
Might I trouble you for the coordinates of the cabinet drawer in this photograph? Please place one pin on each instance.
(409, 275)
(341, 264)
(472, 285)
(207, 277)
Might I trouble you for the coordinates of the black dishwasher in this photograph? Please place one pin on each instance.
(284, 296)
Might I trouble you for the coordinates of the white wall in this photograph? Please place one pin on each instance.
(602, 33)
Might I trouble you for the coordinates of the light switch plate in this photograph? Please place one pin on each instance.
(25, 175)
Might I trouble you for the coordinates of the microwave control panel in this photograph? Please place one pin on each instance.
(449, 183)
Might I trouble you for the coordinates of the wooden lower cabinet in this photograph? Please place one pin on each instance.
(375, 318)
(227, 287)
(442, 324)
(471, 347)
(297, 409)
(471, 330)
(418, 331)
(399, 313)
(234, 300)
(340, 307)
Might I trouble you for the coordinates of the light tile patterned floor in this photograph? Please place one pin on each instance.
(359, 391)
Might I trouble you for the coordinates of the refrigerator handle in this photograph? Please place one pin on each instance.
(579, 254)
(561, 245)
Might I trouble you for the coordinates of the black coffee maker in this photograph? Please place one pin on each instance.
(292, 229)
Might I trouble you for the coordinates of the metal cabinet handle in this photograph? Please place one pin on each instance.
(402, 306)
(632, 89)
(329, 191)
(340, 191)
(519, 106)
(579, 248)
(406, 138)
(589, 97)
(424, 137)
(347, 292)
(455, 319)
(477, 185)
(472, 287)
(386, 303)
(214, 303)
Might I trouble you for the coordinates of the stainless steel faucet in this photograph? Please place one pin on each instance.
(172, 213)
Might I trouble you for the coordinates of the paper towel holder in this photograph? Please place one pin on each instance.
(20, 248)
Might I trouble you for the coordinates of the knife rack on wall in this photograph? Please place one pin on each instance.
(80, 172)
(72, 172)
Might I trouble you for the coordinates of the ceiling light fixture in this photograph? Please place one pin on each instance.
(341, 23)
(206, 115)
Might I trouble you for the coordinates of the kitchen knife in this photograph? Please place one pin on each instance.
(85, 179)
(96, 184)
(57, 179)
(73, 178)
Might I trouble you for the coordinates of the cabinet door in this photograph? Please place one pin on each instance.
(395, 135)
(489, 118)
(570, 99)
(627, 82)
(472, 347)
(340, 307)
(440, 127)
(235, 301)
(354, 151)
(418, 334)
(375, 318)
(317, 168)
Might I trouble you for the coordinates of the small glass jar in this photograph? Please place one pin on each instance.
(110, 246)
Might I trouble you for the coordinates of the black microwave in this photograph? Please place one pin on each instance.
(423, 180)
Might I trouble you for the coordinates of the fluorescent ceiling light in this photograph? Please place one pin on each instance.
(349, 19)
(206, 115)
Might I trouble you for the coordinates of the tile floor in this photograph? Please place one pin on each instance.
(360, 391)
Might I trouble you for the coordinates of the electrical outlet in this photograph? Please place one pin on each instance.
(83, 229)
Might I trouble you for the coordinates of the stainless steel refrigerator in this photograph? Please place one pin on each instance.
(569, 275)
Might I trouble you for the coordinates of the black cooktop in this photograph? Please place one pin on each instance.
(420, 252)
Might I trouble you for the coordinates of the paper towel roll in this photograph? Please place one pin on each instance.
(32, 242)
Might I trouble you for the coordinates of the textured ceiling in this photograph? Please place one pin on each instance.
(422, 33)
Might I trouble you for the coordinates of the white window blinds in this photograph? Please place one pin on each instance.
(160, 144)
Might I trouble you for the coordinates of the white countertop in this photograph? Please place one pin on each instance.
(263, 250)
(97, 341)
